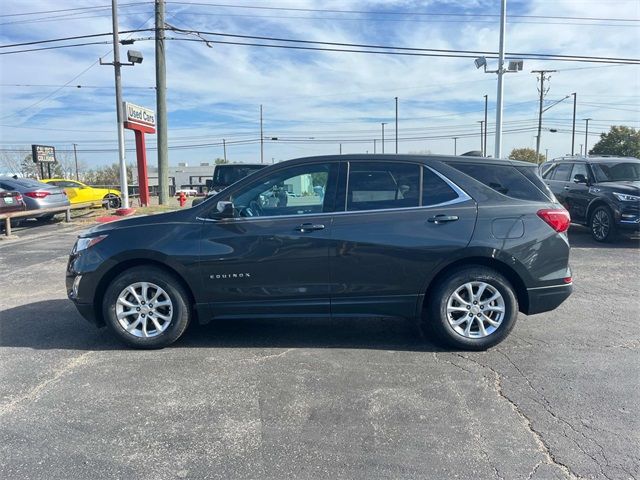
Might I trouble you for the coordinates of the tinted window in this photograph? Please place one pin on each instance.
(25, 182)
(230, 174)
(532, 175)
(616, 172)
(295, 191)
(579, 169)
(435, 190)
(562, 172)
(506, 180)
(547, 169)
(379, 185)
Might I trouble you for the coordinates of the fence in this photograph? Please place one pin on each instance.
(31, 213)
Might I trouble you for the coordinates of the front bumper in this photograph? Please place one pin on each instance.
(544, 299)
(87, 310)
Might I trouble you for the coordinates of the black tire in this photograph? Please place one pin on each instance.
(112, 201)
(603, 225)
(179, 313)
(439, 321)
(45, 218)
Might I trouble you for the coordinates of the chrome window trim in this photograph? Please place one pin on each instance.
(462, 197)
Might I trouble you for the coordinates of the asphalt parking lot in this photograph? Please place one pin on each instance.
(318, 398)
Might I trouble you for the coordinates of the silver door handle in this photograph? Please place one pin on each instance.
(438, 219)
(309, 227)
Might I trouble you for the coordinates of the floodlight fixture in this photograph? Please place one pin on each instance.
(515, 65)
(134, 56)
(480, 62)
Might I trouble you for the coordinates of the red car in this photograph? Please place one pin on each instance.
(10, 202)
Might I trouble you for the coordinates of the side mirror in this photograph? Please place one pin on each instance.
(225, 210)
(580, 178)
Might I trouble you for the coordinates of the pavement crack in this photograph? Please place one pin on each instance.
(275, 355)
(36, 392)
(537, 436)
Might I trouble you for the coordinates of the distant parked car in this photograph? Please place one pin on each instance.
(10, 202)
(228, 174)
(78, 192)
(36, 195)
(602, 193)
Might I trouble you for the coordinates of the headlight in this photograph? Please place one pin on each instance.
(84, 243)
(625, 197)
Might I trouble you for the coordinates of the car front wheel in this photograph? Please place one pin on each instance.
(602, 225)
(473, 308)
(146, 307)
(112, 201)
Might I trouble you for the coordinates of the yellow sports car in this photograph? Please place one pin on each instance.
(78, 192)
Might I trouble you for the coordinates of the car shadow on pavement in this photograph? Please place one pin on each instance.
(55, 324)
(580, 237)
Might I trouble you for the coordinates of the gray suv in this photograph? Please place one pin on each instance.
(460, 243)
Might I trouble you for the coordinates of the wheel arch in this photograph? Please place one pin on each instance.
(117, 269)
(598, 202)
(507, 271)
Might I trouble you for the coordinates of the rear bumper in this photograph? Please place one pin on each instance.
(544, 299)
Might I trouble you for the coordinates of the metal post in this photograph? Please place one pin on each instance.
(116, 67)
(261, 138)
(75, 155)
(340, 149)
(383, 124)
(224, 149)
(503, 27)
(481, 122)
(573, 128)
(396, 125)
(586, 137)
(374, 146)
(486, 125)
(455, 145)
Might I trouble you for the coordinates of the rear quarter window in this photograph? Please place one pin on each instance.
(504, 179)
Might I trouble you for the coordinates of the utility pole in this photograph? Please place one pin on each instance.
(161, 106)
(542, 78)
(486, 125)
(340, 149)
(501, 71)
(261, 138)
(116, 67)
(481, 122)
(586, 137)
(573, 129)
(396, 125)
(75, 155)
(455, 145)
(374, 146)
(224, 149)
(383, 124)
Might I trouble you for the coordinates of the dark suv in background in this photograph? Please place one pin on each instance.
(459, 242)
(602, 193)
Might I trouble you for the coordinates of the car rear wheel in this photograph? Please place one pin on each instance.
(602, 225)
(146, 307)
(112, 201)
(473, 308)
(45, 218)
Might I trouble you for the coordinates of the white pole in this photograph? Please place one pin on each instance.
(116, 66)
(503, 26)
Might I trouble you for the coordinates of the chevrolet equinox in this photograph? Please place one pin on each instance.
(460, 243)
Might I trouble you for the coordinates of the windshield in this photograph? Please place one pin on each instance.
(616, 172)
(229, 174)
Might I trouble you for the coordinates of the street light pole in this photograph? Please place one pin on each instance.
(573, 128)
(503, 27)
(261, 138)
(374, 146)
(75, 155)
(455, 145)
(116, 67)
(481, 122)
(586, 137)
(396, 125)
(224, 149)
(383, 124)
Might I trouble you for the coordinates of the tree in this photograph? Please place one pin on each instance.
(526, 155)
(621, 141)
(107, 175)
(220, 161)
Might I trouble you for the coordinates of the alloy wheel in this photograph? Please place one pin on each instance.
(144, 309)
(475, 310)
(600, 224)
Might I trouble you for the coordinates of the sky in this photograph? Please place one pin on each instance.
(314, 101)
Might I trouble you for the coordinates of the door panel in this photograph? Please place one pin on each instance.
(577, 194)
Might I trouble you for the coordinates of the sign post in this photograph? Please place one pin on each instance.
(141, 120)
(41, 154)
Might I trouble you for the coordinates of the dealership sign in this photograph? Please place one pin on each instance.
(139, 115)
(43, 154)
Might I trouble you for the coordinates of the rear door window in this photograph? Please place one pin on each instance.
(383, 185)
(435, 190)
(504, 179)
(562, 172)
(579, 169)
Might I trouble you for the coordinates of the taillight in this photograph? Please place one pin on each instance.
(558, 219)
(37, 194)
(19, 197)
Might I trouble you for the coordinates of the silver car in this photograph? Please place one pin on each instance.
(37, 195)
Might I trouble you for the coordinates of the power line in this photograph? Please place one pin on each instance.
(72, 45)
(76, 37)
(70, 9)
